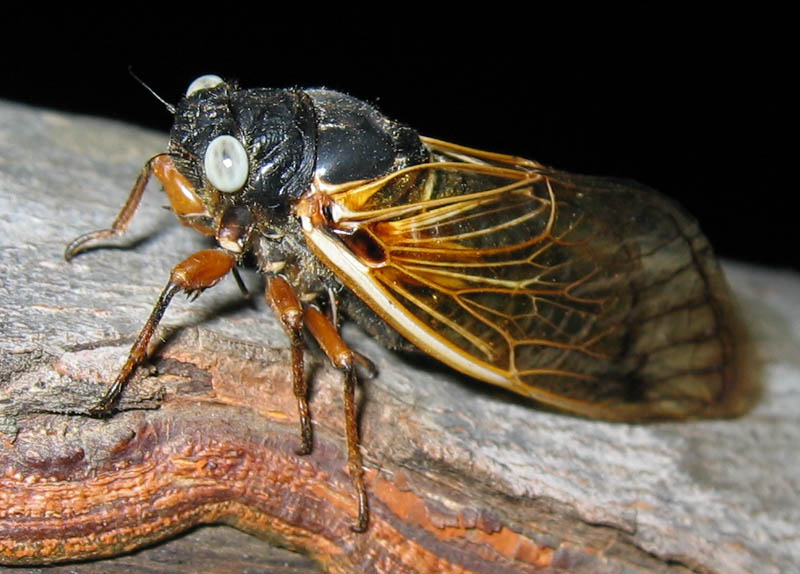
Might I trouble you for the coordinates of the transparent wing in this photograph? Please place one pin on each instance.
(592, 295)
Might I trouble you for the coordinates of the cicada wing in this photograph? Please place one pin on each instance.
(592, 295)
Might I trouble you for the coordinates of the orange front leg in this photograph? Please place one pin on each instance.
(202, 270)
(182, 197)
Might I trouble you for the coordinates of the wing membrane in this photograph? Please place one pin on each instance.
(588, 294)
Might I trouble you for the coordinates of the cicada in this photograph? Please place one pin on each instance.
(595, 296)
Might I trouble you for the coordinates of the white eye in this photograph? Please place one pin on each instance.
(226, 164)
(203, 83)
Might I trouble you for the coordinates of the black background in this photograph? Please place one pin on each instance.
(696, 108)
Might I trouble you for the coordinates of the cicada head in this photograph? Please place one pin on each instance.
(244, 147)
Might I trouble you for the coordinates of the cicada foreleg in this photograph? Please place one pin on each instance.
(121, 222)
(182, 197)
(198, 272)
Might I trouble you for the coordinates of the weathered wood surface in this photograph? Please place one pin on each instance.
(461, 478)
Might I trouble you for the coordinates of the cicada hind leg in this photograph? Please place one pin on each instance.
(293, 316)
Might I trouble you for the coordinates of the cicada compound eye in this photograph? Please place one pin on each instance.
(226, 164)
(203, 83)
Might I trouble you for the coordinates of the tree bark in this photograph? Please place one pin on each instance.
(460, 477)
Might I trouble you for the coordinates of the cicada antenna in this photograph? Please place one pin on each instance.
(170, 107)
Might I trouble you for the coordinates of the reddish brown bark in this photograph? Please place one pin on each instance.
(74, 488)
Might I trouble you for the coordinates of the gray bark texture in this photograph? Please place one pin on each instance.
(461, 477)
